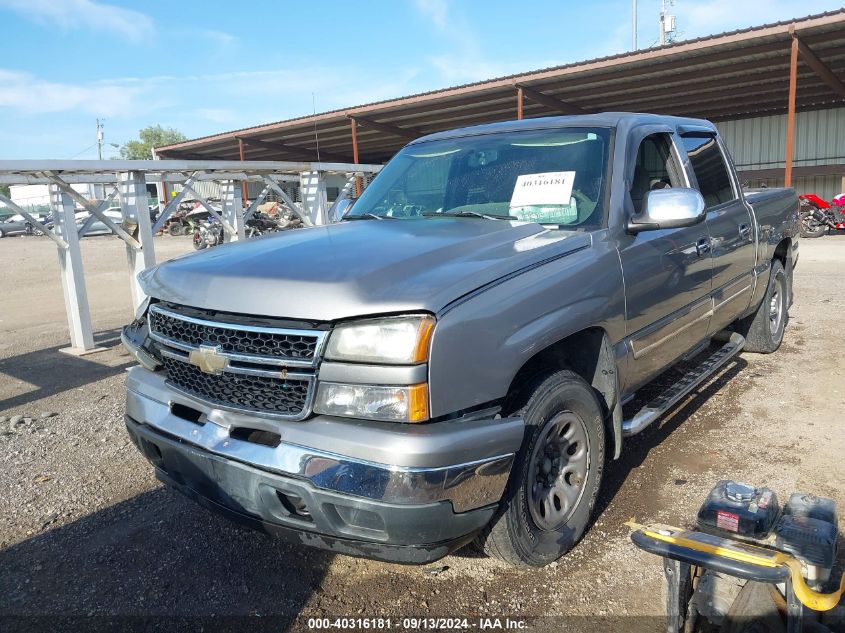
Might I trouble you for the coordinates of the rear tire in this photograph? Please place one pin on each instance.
(555, 477)
(764, 329)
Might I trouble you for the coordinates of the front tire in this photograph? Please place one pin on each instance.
(199, 241)
(764, 329)
(810, 227)
(555, 477)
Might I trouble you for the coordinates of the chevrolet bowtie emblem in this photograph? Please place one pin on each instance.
(207, 359)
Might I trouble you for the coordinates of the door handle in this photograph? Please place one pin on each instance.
(744, 231)
(702, 246)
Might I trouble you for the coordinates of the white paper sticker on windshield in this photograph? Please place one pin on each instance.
(553, 187)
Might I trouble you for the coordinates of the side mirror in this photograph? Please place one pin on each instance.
(668, 209)
(340, 208)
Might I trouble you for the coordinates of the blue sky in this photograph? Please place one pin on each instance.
(207, 67)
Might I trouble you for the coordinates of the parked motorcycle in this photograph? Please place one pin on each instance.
(818, 215)
(208, 233)
(261, 224)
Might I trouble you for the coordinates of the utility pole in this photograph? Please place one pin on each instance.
(100, 139)
(634, 25)
(667, 24)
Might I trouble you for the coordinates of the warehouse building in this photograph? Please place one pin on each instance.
(775, 91)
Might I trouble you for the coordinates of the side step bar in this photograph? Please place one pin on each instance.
(669, 398)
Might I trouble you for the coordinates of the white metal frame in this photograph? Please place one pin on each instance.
(130, 179)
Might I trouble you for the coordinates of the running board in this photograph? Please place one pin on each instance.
(669, 398)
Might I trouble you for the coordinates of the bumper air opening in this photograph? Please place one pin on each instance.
(294, 505)
(356, 521)
(256, 436)
(186, 413)
(152, 452)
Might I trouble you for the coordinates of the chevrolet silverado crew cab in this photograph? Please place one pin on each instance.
(449, 362)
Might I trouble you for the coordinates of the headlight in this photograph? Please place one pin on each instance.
(400, 340)
(388, 403)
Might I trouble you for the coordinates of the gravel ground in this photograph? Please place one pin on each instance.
(89, 538)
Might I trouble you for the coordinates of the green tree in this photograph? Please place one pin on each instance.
(150, 137)
(4, 189)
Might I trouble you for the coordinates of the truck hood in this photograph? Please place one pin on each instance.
(358, 268)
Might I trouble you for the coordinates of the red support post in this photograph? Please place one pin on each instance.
(790, 112)
(358, 183)
(244, 188)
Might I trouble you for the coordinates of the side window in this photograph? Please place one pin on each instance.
(655, 168)
(711, 172)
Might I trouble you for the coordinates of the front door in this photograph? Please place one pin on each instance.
(730, 224)
(667, 272)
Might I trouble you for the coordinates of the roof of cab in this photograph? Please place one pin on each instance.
(601, 119)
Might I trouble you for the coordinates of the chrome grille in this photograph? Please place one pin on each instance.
(263, 394)
(273, 345)
(254, 377)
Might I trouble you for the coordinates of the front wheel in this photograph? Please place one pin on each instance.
(555, 477)
(199, 241)
(810, 226)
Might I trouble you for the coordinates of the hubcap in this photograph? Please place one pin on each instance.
(775, 307)
(558, 470)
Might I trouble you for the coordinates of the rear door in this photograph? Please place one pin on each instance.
(667, 272)
(730, 223)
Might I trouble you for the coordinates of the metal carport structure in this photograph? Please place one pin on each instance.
(785, 67)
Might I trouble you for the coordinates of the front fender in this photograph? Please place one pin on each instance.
(481, 343)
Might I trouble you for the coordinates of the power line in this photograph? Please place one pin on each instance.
(83, 151)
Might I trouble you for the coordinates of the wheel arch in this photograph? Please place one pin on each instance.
(783, 253)
(589, 353)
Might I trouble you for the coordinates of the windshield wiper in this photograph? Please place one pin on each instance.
(468, 214)
(369, 216)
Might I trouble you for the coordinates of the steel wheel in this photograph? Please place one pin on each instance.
(776, 306)
(559, 465)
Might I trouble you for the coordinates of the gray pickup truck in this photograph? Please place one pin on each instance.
(449, 362)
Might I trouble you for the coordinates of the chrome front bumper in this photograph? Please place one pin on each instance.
(466, 463)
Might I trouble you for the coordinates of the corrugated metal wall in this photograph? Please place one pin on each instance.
(759, 143)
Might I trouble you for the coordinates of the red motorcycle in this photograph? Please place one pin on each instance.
(817, 215)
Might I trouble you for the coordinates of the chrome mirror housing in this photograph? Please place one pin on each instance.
(668, 209)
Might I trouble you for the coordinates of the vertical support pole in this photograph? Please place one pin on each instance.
(794, 610)
(355, 160)
(313, 189)
(519, 102)
(634, 26)
(233, 209)
(73, 278)
(678, 578)
(790, 113)
(132, 189)
(244, 187)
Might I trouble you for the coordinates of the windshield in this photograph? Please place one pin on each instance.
(552, 177)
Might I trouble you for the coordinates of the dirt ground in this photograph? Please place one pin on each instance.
(90, 539)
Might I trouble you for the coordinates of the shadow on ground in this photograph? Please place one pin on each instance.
(53, 372)
(159, 556)
(635, 450)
